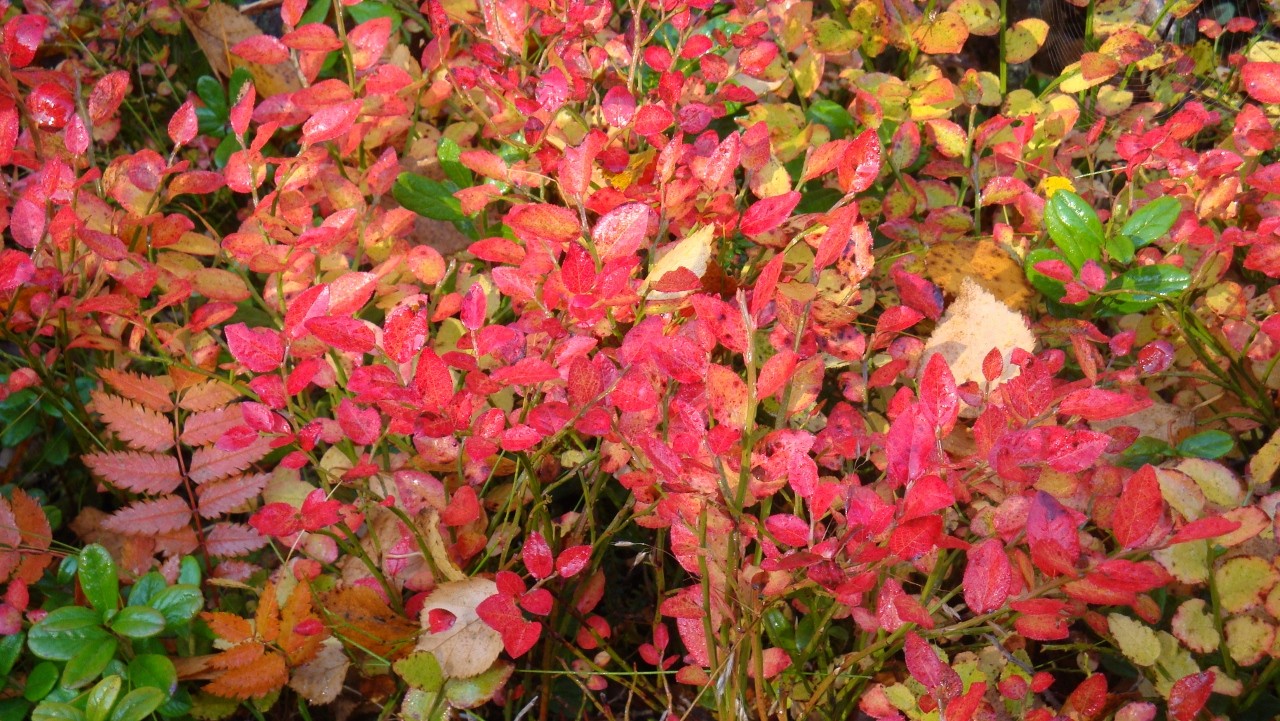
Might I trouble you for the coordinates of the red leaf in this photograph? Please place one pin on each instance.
(526, 372)
(503, 615)
(1089, 698)
(544, 223)
(1203, 528)
(349, 292)
(259, 349)
(22, 36)
(722, 163)
(229, 540)
(51, 105)
(938, 395)
(1052, 535)
(319, 511)
(1189, 695)
(345, 334)
(573, 560)
(537, 556)
(622, 231)
(362, 425)
(965, 707)
(276, 519)
(927, 495)
(775, 373)
(183, 126)
(916, 537)
(789, 529)
(434, 381)
(930, 670)
(313, 37)
(1262, 81)
(578, 271)
(1096, 404)
(368, 40)
(618, 106)
(988, 577)
(860, 165)
(16, 269)
(767, 214)
(1138, 510)
(261, 49)
(107, 94)
(330, 122)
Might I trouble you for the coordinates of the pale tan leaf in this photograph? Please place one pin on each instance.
(150, 517)
(208, 396)
(693, 253)
(228, 494)
(152, 473)
(209, 463)
(206, 427)
(320, 680)
(218, 28)
(469, 646)
(140, 427)
(972, 326)
(151, 391)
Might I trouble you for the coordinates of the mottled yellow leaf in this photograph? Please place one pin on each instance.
(942, 34)
(1137, 640)
(1241, 581)
(1024, 38)
(1219, 484)
(1187, 562)
(1193, 625)
(1249, 639)
(989, 265)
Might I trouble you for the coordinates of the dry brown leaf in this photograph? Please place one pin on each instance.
(218, 28)
(469, 646)
(320, 680)
(948, 264)
(974, 324)
(359, 614)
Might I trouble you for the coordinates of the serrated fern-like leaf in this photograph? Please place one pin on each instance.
(140, 427)
(208, 396)
(150, 517)
(209, 463)
(152, 392)
(228, 540)
(153, 473)
(262, 676)
(204, 427)
(228, 494)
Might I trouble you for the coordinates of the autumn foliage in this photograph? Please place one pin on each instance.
(596, 359)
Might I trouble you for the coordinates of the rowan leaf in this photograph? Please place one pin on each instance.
(229, 540)
(207, 396)
(217, 498)
(205, 427)
(140, 427)
(209, 463)
(154, 392)
(150, 473)
(228, 626)
(264, 675)
(150, 517)
(364, 618)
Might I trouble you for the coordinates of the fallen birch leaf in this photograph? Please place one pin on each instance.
(974, 324)
(220, 27)
(465, 646)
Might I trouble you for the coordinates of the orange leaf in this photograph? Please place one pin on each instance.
(943, 35)
(152, 392)
(150, 517)
(268, 615)
(208, 396)
(228, 626)
(364, 618)
(137, 472)
(140, 427)
(36, 536)
(266, 674)
(205, 427)
(238, 656)
(298, 647)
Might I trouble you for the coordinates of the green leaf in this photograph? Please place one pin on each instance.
(833, 115)
(209, 89)
(64, 632)
(138, 704)
(1145, 451)
(51, 711)
(426, 197)
(145, 588)
(154, 670)
(178, 604)
(138, 622)
(370, 9)
(67, 570)
(10, 650)
(40, 681)
(98, 578)
(88, 663)
(449, 154)
(1152, 221)
(1120, 248)
(1207, 444)
(1074, 228)
(420, 670)
(102, 698)
(189, 573)
(1144, 287)
(1048, 287)
(14, 709)
(475, 691)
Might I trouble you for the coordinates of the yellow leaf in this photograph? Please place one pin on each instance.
(691, 254)
(1187, 562)
(973, 325)
(1193, 625)
(1024, 39)
(1265, 463)
(1137, 641)
(1242, 581)
(1249, 639)
(982, 17)
(949, 263)
(468, 646)
(944, 34)
(1054, 183)
(1218, 482)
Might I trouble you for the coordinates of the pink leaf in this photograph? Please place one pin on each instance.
(988, 577)
(537, 556)
(938, 395)
(766, 214)
(573, 560)
(16, 269)
(261, 49)
(259, 349)
(926, 667)
(150, 517)
(1262, 81)
(183, 126)
(622, 231)
(330, 122)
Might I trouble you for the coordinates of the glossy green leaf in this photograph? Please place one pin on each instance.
(189, 573)
(1152, 221)
(98, 578)
(1048, 287)
(10, 650)
(426, 197)
(145, 588)
(475, 691)
(833, 115)
(178, 604)
(1120, 248)
(154, 670)
(1074, 227)
(62, 633)
(367, 10)
(138, 622)
(88, 663)
(1145, 286)
(102, 698)
(210, 91)
(449, 154)
(67, 570)
(1144, 451)
(40, 681)
(138, 704)
(1207, 444)
(15, 709)
(54, 711)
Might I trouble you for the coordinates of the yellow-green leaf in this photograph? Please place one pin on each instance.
(1137, 641)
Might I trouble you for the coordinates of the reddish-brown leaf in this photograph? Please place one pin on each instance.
(221, 497)
(209, 463)
(151, 391)
(137, 472)
(140, 427)
(150, 517)
(263, 676)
